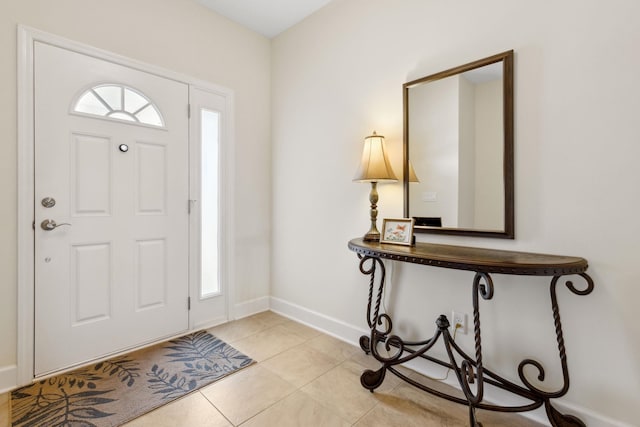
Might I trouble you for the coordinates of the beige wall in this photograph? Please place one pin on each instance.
(338, 76)
(181, 36)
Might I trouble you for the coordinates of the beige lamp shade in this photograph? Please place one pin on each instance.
(412, 173)
(374, 166)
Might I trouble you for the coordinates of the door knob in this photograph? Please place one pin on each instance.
(49, 224)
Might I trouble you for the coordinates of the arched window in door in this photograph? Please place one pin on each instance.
(119, 102)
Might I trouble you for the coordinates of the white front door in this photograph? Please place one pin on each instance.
(117, 275)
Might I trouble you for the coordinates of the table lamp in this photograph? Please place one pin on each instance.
(374, 167)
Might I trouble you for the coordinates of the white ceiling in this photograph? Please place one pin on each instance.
(267, 17)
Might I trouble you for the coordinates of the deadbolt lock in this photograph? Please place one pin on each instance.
(48, 202)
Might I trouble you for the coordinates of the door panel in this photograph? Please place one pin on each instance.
(91, 175)
(150, 180)
(151, 277)
(117, 276)
(90, 282)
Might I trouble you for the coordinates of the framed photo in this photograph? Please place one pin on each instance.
(398, 231)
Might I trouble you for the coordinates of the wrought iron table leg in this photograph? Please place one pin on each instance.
(371, 380)
(556, 418)
(471, 371)
(473, 421)
(561, 420)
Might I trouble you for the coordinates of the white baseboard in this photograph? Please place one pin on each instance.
(210, 324)
(247, 308)
(351, 334)
(326, 324)
(589, 417)
(8, 378)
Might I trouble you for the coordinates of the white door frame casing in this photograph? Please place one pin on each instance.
(26, 280)
(202, 307)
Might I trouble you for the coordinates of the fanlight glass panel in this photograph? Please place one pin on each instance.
(119, 102)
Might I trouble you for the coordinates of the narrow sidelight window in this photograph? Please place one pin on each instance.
(210, 143)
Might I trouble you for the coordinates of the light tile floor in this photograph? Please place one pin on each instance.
(303, 378)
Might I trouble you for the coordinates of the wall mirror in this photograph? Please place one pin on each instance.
(458, 149)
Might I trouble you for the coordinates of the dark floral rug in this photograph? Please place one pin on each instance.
(115, 391)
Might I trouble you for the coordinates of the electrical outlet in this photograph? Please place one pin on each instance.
(459, 318)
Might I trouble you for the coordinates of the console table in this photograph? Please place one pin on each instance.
(470, 370)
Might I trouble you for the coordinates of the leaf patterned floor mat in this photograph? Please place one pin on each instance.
(115, 391)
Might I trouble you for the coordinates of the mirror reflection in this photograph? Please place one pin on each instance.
(459, 141)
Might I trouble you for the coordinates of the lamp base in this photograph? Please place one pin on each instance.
(372, 236)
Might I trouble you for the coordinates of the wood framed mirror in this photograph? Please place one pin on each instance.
(458, 149)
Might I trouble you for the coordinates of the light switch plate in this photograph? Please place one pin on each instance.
(429, 196)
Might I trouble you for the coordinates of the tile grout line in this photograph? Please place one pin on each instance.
(270, 406)
(258, 362)
(216, 408)
(378, 403)
(324, 405)
(305, 341)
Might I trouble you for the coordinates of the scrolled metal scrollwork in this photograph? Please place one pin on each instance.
(485, 290)
(384, 319)
(560, 340)
(576, 291)
(393, 345)
(382, 335)
(373, 319)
